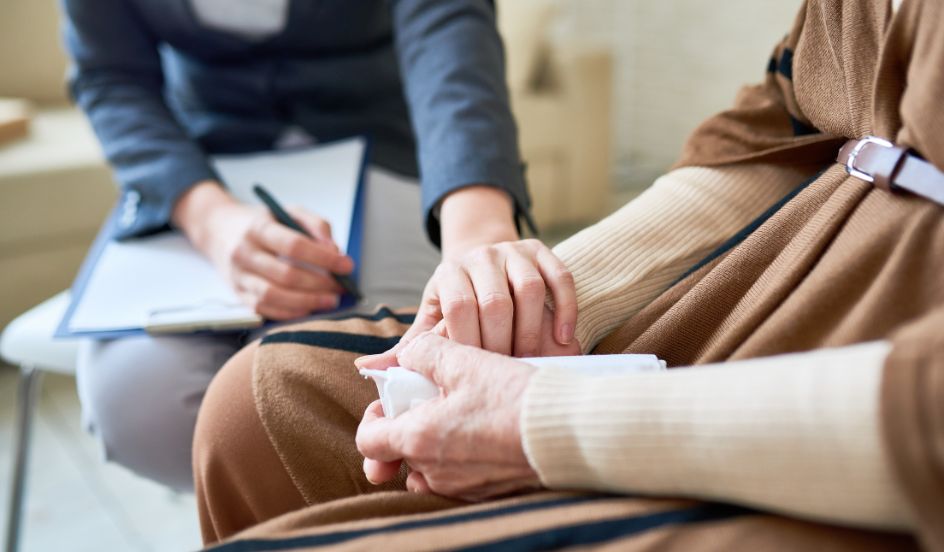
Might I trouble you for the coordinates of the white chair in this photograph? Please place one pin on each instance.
(28, 343)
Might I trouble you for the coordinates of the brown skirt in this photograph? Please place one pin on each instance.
(550, 521)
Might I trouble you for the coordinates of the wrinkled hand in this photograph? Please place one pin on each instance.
(493, 297)
(465, 444)
(281, 273)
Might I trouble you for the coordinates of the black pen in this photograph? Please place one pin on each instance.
(284, 218)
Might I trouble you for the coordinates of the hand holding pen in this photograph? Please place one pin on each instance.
(281, 215)
(266, 263)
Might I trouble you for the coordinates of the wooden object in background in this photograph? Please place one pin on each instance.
(14, 119)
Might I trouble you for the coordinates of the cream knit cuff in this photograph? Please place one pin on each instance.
(796, 434)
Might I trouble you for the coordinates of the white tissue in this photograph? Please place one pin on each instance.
(401, 389)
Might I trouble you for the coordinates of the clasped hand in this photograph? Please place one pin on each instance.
(467, 442)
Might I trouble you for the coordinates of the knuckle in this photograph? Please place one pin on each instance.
(530, 286)
(286, 275)
(295, 248)
(441, 485)
(429, 310)
(496, 303)
(528, 247)
(532, 244)
(484, 255)
(448, 267)
(238, 254)
(251, 300)
(265, 294)
(414, 445)
(258, 224)
(564, 276)
(458, 305)
(441, 270)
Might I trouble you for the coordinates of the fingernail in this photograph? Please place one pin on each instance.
(361, 362)
(566, 334)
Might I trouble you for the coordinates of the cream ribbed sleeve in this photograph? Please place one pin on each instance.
(797, 434)
(623, 262)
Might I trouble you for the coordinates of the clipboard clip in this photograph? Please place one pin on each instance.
(212, 315)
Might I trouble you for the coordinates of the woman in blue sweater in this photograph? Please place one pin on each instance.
(166, 83)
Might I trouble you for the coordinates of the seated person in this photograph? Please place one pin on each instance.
(167, 86)
(799, 306)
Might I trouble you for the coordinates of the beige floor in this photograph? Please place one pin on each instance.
(77, 502)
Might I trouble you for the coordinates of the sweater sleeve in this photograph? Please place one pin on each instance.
(454, 74)
(117, 79)
(625, 261)
(797, 434)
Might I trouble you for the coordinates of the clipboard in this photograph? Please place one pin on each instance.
(161, 285)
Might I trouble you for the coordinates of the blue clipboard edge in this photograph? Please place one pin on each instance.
(357, 224)
(106, 232)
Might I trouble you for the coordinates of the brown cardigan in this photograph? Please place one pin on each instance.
(843, 262)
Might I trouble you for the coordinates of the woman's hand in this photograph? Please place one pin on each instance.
(494, 298)
(465, 444)
(489, 291)
(279, 272)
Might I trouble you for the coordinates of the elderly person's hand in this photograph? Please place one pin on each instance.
(466, 443)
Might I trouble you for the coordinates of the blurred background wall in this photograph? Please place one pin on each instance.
(679, 62)
(675, 62)
(54, 187)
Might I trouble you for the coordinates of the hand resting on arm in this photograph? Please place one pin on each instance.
(490, 289)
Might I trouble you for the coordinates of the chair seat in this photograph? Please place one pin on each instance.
(28, 340)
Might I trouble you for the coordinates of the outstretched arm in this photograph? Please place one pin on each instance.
(796, 434)
(489, 290)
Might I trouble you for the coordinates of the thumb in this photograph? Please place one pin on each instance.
(387, 359)
(435, 357)
(380, 361)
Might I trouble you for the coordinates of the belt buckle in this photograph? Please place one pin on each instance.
(850, 163)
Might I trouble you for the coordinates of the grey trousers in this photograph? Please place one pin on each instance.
(140, 395)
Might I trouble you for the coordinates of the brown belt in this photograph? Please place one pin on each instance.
(892, 168)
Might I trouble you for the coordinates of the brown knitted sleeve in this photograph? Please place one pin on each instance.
(913, 421)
